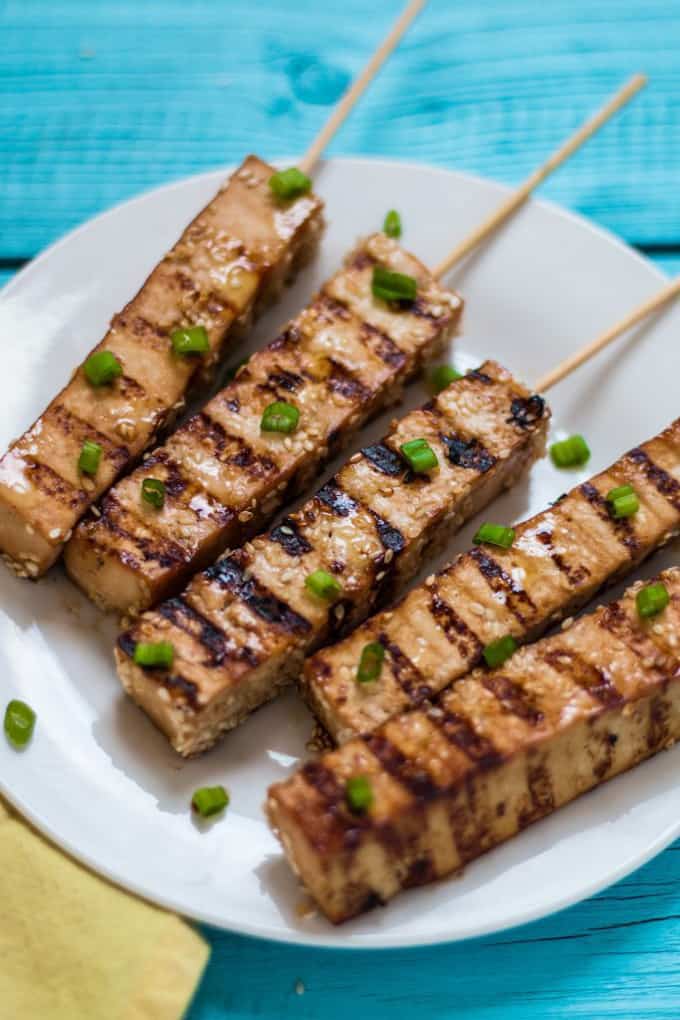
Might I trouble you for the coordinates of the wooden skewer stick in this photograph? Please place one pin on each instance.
(353, 93)
(518, 197)
(653, 304)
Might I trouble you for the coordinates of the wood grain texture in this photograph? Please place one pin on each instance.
(102, 100)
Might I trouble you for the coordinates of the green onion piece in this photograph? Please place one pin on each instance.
(280, 417)
(624, 506)
(442, 376)
(393, 286)
(498, 651)
(19, 723)
(622, 490)
(153, 492)
(102, 368)
(652, 600)
(419, 456)
(192, 340)
(495, 534)
(150, 654)
(323, 584)
(90, 456)
(289, 183)
(209, 800)
(572, 452)
(371, 662)
(358, 794)
(392, 224)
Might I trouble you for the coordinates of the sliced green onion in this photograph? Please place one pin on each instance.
(498, 651)
(358, 794)
(622, 490)
(290, 183)
(393, 286)
(153, 492)
(652, 600)
(625, 504)
(280, 417)
(392, 224)
(192, 340)
(442, 376)
(90, 456)
(154, 654)
(419, 455)
(102, 368)
(19, 723)
(323, 584)
(572, 452)
(370, 663)
(495, 534)
(209, 800)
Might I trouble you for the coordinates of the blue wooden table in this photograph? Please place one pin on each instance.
(103, 99)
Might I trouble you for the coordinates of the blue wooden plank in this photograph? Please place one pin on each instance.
(102, 100)
(614, 956)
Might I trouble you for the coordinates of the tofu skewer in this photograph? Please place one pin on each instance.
(223, 477)
(241, 629)
(336, 364)
(559, 560)
(166, 344)
(432, 789)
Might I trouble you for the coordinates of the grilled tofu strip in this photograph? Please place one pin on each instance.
(559, 560)
(500, 749)
(241, 630)
(232, 260)
(342, 359)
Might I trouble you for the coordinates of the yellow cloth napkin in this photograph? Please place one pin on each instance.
(74, 947)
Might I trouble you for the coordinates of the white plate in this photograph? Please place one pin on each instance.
(103, 783)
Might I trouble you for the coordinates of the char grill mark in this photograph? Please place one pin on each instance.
(381, 344)
(230, 574)
(283, 379)
(575, 575)
(155, 549)
(595, 680)
(467, 453)
(460, 732)
(207, 429)
(384, 460)
(406, 772)
(70, 424)
(621, 526)
(390, 537)
(46, 480)
(336, 499)
(455, 629)
(407, 675)
(512, 697)
(480, 376)
(526, 412)
(188, 619)
(500, 582)
(660, 479)
(290, 538)
(342, 382)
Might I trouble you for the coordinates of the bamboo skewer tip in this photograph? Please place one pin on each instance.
(658, 301)
(359, 85)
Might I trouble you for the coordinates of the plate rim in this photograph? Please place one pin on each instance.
(334, 938)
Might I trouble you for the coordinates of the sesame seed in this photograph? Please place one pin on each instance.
(245, 516)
